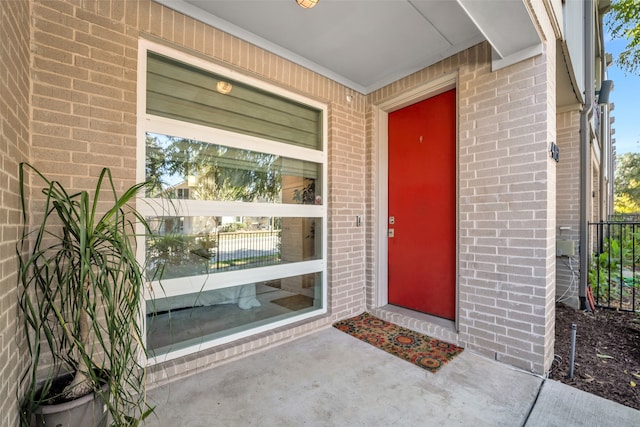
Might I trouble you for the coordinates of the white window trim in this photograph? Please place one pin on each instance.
(161, 125)
(183, 285)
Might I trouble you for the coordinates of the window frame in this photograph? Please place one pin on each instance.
(149, 207)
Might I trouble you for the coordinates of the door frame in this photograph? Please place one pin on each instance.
(381, 138)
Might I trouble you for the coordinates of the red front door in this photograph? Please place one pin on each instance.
(422, 206)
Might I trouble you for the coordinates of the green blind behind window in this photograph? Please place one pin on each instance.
(180, 91)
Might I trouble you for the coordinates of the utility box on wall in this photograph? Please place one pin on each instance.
(565, 248)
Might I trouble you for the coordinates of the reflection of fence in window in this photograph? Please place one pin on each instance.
(177, 255)
(246, 250)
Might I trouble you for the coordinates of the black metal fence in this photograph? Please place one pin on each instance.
(614, 270)
(244, 249)
(180, 255)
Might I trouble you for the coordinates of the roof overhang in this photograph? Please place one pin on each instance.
(365, 44)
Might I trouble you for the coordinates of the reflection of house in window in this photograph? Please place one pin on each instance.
(182, 193)
(178, 191)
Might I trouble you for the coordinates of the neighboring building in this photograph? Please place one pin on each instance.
(405, 149)
(585, 171)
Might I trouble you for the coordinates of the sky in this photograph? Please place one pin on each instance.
(626, 97)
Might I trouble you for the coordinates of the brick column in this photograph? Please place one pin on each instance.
(507, 208)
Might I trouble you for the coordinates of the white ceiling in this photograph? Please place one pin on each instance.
(367, 44)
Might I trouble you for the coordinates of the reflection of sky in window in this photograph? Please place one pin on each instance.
(172, 180)
(164, 141)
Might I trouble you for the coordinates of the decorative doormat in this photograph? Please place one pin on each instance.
(294, 302)
(421, 350)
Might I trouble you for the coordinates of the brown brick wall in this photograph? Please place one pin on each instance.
(84, 93)
(84, 118)
(506, 202)
(14, 137)
(347, 242)
(84, 79)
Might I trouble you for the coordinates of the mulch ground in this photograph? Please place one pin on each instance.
(607, 354)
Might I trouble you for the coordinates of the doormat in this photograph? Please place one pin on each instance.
(421, 350)
(294, 302)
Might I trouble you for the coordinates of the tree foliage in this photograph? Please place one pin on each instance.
(624, 22)
(217, 172)
(627, 183)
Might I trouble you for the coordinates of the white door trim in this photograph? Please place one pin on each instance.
(381, 139)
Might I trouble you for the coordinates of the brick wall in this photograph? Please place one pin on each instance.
(84, 93)
(346, 268)
(14, 134)
(568, 211)
(506, 202)
(507, 210)
(84, 118)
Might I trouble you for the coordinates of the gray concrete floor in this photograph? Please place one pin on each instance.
(329, 378)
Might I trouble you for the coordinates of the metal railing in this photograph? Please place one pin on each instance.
(614, 270)
(181, 255)
(244, 249)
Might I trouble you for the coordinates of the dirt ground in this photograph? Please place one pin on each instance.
(607, 355)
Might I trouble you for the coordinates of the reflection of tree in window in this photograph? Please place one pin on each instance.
(211, 171)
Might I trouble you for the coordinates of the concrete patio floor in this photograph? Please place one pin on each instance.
(329, 378)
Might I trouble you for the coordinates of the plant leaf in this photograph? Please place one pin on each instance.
(604, 356)
(632, 384)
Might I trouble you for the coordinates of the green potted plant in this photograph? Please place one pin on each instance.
(80, 290)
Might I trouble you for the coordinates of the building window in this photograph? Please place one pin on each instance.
(182, 193)
(237, 206)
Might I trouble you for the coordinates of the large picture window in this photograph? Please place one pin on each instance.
(237, 204)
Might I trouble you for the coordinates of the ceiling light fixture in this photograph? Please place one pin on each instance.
(307, 4)
(224, 87)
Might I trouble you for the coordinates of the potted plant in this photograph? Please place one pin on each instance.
(80, 288)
